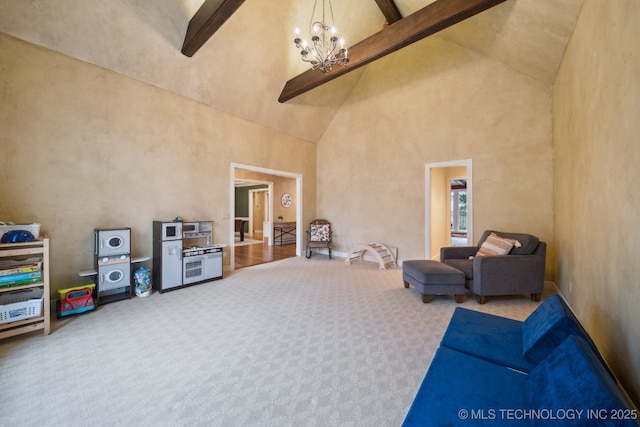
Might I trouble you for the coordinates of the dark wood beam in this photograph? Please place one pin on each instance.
(423, 23)
(389, 10)
(207, 20)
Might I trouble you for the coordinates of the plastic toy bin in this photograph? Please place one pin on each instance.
(76, 300)
(21, 305)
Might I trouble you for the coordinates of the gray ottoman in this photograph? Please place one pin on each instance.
(433, 278)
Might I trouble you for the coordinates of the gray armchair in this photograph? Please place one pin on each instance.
(521, 271)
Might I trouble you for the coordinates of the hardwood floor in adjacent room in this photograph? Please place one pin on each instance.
(249, 255)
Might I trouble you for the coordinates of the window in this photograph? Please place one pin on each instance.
(459, 207)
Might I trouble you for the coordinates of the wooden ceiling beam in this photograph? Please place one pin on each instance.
(207, 20)
(423, 23)
(389, 10)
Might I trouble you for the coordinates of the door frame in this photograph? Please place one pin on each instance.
(268, 210)
(427, 202)
(232, 203)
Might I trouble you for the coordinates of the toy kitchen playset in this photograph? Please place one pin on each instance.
(184, 255)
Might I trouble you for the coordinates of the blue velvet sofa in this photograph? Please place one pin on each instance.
(490, 370)
(514, 344)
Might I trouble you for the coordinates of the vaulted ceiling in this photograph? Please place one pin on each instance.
(244, 66)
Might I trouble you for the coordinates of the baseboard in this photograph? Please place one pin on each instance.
(325, 251)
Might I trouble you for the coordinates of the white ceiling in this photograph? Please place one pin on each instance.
(244, 66)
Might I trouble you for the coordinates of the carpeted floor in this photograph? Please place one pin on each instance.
(298, 342)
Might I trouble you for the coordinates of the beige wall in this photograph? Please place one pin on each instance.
(434, 102)
(285, 185)
(596, 102)
(83, 147)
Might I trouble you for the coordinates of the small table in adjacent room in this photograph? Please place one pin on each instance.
(284, 233)
(239, 227)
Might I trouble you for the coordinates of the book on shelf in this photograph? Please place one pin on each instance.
(30, 268)
(21, 279)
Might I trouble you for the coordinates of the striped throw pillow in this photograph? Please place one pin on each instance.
(496, 245)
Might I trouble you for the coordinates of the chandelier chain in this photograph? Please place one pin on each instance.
(331, 10)
(313, 12)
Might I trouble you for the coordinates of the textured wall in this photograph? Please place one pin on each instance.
(242, 200)
(251, 56)
(596, 102)
(83, 147)
(433, 102)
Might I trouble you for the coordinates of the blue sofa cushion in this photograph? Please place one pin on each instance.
(493, 338)
(548, 326)
(457, 384)
(572, 377)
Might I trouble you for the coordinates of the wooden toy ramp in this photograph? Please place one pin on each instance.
(377, 251)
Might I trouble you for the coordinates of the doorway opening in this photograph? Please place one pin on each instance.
(258, 211)
(262, 187)
(458, 205)
(251, 209)
(448, 206)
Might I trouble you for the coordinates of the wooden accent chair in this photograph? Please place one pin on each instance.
(319, 235)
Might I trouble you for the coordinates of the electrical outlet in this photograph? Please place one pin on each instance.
(570, 286)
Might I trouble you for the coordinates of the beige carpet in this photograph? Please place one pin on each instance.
(292, 343)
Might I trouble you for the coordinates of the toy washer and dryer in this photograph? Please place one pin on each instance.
(112, 255)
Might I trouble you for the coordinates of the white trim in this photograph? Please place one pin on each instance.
(427, 201)
(232, 202)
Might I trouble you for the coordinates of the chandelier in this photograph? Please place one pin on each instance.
(321, 52)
